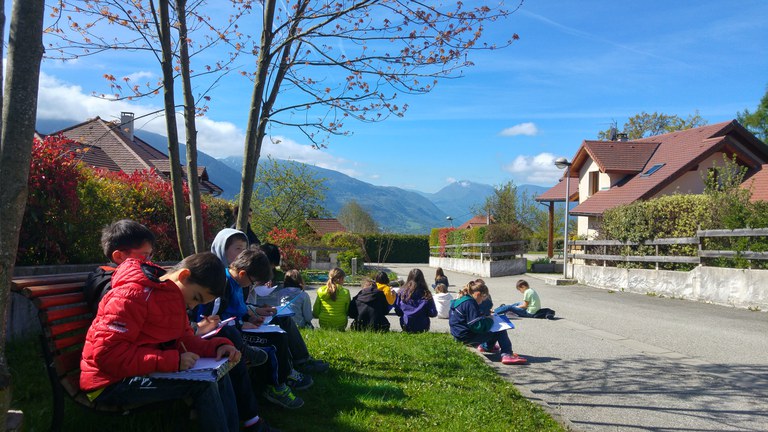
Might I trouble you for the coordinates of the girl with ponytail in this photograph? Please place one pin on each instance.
(332, 302)
(471, 326)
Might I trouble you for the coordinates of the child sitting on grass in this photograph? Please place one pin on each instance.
(442, 301)
(293, 295)
(382, 283)
(141, 327)
(414, 304)
(369, 309)
(470, 326)
(332, 302)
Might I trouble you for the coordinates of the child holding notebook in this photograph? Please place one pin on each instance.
(141, 327)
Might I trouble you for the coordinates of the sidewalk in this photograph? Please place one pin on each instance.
(629, 362)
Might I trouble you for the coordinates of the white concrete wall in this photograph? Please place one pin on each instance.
(723, 286)
(483, 268)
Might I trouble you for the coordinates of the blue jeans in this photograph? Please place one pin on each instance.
(214, 401)
(515, 309)
(489, 339)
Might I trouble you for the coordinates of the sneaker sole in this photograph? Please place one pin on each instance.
(515, 361)
(276, 401)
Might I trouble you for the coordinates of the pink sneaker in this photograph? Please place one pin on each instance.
(496, 348)
(510, 359)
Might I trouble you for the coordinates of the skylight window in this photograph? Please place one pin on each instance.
(652, 170)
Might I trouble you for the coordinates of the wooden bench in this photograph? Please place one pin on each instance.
(65, 319)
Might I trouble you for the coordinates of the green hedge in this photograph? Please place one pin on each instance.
(397, 248)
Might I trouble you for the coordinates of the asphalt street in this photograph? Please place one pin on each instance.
(615, 361)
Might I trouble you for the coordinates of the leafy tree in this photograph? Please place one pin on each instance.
(757, 121)
(356, 219)
(19, 112)
(387, 47)
(644, 125)
(286, 195)
(502, 205)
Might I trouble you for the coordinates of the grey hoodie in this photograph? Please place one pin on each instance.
(219, 243)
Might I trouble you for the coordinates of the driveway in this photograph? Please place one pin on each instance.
(616, 361)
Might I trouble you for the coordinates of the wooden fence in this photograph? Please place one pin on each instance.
(598, 250)
(481, 251)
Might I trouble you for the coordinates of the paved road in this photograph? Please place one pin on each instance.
(629, 362)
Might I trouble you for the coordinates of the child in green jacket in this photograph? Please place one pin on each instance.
(332, 302)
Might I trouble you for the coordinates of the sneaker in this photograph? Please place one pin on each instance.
(260, 426)
(314, 366)
(298, 380)
(510, 359)
(496, 348)
(284, 398)
(254, 356)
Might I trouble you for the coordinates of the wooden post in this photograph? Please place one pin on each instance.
(551, 233)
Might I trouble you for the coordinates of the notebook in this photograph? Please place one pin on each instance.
(282, 311)
(264, 328)
(501, 323)
(205, 369)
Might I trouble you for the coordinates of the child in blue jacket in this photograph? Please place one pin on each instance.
(414, 304)
(470, 326)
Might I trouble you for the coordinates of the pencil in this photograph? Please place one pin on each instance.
(183, 347)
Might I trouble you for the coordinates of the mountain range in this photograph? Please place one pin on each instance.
(394, 209)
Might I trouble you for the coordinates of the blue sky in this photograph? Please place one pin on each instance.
(577, 66)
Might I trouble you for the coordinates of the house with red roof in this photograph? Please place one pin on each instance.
(607, 174)
(114, 147)
(476, 221)
(322, 226)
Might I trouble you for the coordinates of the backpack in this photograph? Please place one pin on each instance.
(545, 313)
(97, 285)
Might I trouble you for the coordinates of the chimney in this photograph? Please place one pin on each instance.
(622, 137)
(126, 124)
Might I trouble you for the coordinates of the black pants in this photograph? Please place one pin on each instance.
(276, 370)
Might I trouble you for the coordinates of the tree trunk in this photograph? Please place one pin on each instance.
(179, 208)
(25, 51)
(254, 135)
(195, 208)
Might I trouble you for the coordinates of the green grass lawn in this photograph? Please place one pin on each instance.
(377, 382)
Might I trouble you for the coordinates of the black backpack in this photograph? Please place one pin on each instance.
(97, 285)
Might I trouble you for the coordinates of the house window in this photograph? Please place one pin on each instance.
(652, 170)
(594, 182)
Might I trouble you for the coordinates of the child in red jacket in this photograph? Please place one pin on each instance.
(141, 327)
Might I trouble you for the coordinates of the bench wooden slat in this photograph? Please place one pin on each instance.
(46, 290)
(67, 362)
(68, 312)
(59, 300)
(27, 281)
(70, 341)
(60, 329)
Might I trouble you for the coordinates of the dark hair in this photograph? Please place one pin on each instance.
(367, 283)
(255, 263)
(473, 287)
(272, 252)
(415, 284)
(124, 234)
(441, 288)
(439, 273)
(236, 236)
(205, 269)
(382, 278)
(522, 283)
(293, 279)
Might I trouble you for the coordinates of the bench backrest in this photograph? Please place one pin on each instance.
(65, 318)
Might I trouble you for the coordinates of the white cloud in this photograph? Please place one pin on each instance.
(464, 183)
(528, 129)
(539, 169)
(139, 76)
(60, 100)
(450, 180)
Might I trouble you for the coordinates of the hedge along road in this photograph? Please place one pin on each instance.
(629, 362)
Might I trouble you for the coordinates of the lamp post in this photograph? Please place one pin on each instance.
(448, 218)
(562, 163)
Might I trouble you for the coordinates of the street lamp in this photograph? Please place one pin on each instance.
(448, 218)
(562, 163)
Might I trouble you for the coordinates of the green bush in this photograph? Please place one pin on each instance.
(397, 248)
(353, 248)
